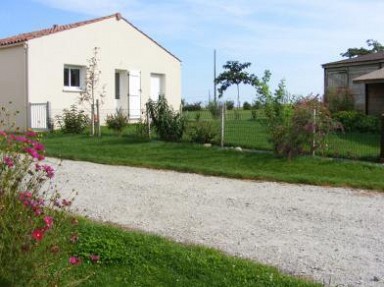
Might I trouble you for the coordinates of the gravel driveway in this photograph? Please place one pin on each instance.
(333, 235)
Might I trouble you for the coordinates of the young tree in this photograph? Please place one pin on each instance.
(92, 90)
(354, 52)
(234, 74)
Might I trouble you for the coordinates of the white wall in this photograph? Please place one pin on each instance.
(13, 83)
(122, 48)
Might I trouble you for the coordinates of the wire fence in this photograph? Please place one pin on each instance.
(249, 129)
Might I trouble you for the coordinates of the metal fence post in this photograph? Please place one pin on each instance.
(382, 139)
(222, 124)
(98, 118)
(314, 133)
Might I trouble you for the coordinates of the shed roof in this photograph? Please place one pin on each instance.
(375, 76)
(373, 57)
(20, 38)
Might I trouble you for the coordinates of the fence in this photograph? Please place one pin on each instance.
(248, 129)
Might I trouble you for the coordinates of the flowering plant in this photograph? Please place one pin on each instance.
(31, 213)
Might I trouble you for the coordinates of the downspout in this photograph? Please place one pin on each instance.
(26, 85)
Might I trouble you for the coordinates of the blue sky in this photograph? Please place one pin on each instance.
(290, 38)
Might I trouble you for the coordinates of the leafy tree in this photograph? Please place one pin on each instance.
(234, 74)
(374, 45)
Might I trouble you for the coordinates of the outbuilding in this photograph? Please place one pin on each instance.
(363, 76)
(50, 66)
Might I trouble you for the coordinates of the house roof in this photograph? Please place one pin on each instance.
(373, 57)
(375, 76)
(21, 38)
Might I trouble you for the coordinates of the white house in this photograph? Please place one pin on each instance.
(50, 66)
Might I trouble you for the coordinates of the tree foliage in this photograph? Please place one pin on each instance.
(234, 74)
(373, 47)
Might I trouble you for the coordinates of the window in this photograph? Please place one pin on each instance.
(72, 77)
(117, 86)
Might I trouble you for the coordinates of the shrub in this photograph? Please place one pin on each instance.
(339, 99)
(169, 125)
(254, 114)
(353, 121)
(201, 132)
(229, 105)
(142, 130)
(192, 107)
(214, 109)
(117, 122)
(32, 221)
(73, 121)
(246, 106)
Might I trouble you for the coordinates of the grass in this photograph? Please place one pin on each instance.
(242, 130)
(140, 259)
(128, 150)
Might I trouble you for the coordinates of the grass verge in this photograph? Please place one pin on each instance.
(127, 150)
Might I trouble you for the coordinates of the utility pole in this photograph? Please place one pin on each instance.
(214, 76)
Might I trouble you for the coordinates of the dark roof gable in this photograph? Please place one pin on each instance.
(378, 56)
(59, 28)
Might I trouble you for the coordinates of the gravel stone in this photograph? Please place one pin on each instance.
(333, 235)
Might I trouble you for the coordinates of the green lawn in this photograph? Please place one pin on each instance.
(244, 131)
(128, 150)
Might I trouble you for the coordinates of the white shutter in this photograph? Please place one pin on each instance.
(134, 94)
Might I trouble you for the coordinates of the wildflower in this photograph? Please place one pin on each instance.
(48, 221)
(8, 161)
(74, 260)
(38, 146)
(31, 134)
(3, 133)
(50, 172)
(38, 234)
(94, 258)
(21, 139)
(32, 152)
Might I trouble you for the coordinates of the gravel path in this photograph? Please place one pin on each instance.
(330, 234)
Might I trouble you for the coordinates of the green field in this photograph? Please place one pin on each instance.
(243, 130)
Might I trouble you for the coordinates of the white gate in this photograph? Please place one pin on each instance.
(134, 95)
(39, 116)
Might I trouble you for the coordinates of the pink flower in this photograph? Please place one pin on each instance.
(38, 167)
(48, 221)
(32, 152)
(31, 134)
(74, 238)
(66, 202)
(3, 133)
(94, 258)
(38, 234)
(38, 146)
(8, 161)
(21, 139)
(50, 172)
(74, 260)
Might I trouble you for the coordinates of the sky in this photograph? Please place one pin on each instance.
(291, 38)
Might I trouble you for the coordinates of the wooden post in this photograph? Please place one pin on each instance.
(382, 139)
(148, 121)
(49, 121)
(92, 119)
(222, 124)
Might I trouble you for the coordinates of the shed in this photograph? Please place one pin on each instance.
(363, 76)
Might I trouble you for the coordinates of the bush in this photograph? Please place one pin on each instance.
(169, 125)
(201, 132)
(192, 107)
(142, 130)
(32, 222)
(214, 109)
(339, 99)
(73, 121)
(353, 121)
(117, 122)
(229, 105)
(247, 106)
